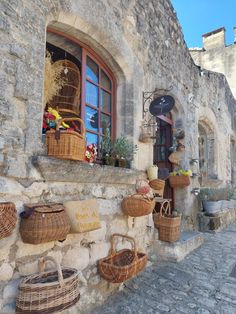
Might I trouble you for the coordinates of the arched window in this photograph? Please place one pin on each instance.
(96, 101)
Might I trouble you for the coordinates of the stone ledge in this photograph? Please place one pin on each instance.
(217, 222)
(53, 169)
(189, 241)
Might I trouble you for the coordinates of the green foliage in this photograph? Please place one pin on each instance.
(215, 194)
(107, 145)
(123, 148)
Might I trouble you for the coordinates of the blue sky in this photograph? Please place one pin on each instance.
(198, 17)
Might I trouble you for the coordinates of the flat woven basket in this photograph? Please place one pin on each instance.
(42, 223)
(122, 265)
(66, 144)
(168, 225)
(157, 184)
(137, 205)
(48, 292)
(179, 181)
(7, 219)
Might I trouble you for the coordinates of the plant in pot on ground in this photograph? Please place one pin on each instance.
(124, 151)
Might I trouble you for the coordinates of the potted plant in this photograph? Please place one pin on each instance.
(211, 201)
(124, 151)
(180, 178)
(107, 149)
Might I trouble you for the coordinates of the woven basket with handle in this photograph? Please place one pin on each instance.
(42, 223)
(124, 264)
(157, 184)
(7, 219)
(137, 205)
(66, 144)
(179, 181)
(49, 291)
(168, 225)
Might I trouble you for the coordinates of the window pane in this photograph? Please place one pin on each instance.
(105, 101)
(105, 123)
(92, 70)
(105, 81)
(91, 119)
(91, 138)
(91, 94)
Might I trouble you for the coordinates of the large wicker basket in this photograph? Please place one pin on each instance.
(69, 95)
(122, 265)
(42, 223)
(66, 144)
(168, 225)
(48, 292)
(7, 219)
(179, 181)
(137, 205)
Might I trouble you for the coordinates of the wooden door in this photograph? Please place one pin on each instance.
(162, 152)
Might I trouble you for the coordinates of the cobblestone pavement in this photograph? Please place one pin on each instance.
(199, 284)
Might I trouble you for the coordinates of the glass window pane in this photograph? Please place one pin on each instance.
(91, 138)
(91, 119)
(91, 94)
(92, 70)
(105, 101)
(105, 81)
(105, 123)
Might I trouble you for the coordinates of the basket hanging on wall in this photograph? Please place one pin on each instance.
(137, 205)
(7, 219)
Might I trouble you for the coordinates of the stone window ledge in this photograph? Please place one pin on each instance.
(53, 169)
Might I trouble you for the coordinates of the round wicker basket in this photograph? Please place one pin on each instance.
(7, 219)
(137, 205)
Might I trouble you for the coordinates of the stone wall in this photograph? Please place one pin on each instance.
(142, 43)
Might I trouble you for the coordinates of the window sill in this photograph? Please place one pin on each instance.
(53, 169)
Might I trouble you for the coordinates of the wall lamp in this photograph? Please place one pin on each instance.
(194, 161)
(195, 191)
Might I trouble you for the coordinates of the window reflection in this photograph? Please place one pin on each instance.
(105, 101)
(91, 119)
(91, 94)
(92, 70)
(91, 138)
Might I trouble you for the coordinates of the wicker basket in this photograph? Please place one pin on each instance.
(7, 219)
(179, 181)
(66, 144)
(48, 292)
(137, 205)
(42, 223)
(69, 95)
(122, 265)
(168, 225)
(157, 184)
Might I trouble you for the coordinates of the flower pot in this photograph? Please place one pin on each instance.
(212, 207)
(109, 161)
(179, 181)
(122, 163)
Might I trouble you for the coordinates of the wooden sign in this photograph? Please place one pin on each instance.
(83, 215)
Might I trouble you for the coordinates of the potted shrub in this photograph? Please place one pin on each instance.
(210, 200)
(180, 178)
(124, 151)
(107, 149)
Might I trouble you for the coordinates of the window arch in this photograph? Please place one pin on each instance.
(96, 104)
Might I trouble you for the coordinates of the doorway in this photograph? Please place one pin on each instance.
(161, 152)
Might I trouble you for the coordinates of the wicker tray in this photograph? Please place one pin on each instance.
(48, 292)
(122, 265)
(168, 225)
(137, 205)
(179, 181)
(7, 219)
(66, 144)
(42, 223)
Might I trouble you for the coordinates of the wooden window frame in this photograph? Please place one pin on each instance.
(88, 52)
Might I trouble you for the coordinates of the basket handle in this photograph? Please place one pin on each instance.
(42, 263)
(59, 122)
(130, 239)
(143, 195)
(165, 208)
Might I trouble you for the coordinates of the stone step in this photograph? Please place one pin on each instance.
(189, 241)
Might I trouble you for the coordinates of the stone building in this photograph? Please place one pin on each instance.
(138, 46)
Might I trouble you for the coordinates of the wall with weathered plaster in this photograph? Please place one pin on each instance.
(142, 43)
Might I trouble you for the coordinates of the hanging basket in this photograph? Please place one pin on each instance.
(42, 223)
(157, 184)
(66, 144)
(122, 265)
(168, 225)
(179, 181)
(7, 219)
(48, 292)
(69, 95)
(137, 205)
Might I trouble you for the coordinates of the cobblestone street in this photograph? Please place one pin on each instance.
(200, 284)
